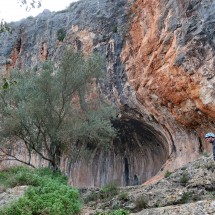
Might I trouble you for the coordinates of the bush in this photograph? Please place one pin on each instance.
(185, 197)
(18, 176)
(123, 196)
(48, 195)
(61, 34)
(114, 29)
(205, 154)
(210, 166)
(109, 190)
(114, 212)
(167, 174)
(141, 203)
(93, 196)
(184, 179)
(119, 212)
(51, 199)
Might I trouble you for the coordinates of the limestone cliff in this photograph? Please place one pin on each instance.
(159, 72)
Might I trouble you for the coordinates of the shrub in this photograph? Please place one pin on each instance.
(109, 190)
(184, 179)
(93, 196)
(167, 174)
(185, 197)
(119, 212)
(205, 154)
(141, 203)
(210, 166)
(61, 34)
(123, 196)
(48, 194)
(114, 29)
(51, 199)
(18, 176)
(113, 212)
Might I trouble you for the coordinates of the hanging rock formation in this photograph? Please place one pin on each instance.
(159, 72)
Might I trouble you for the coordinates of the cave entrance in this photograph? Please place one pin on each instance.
(143, 148)
(137, 154)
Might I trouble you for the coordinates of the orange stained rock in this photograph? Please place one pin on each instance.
(149, 57)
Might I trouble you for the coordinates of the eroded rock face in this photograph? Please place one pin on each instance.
(159, 72)
(136, 155)
(169, 60)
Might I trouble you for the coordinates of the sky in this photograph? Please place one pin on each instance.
(10, 10)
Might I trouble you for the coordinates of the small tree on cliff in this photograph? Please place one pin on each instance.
(54, 112)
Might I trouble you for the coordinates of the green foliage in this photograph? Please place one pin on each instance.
(51, 111)
(141, 203)
(119, 212)
(167, 174)
(93, 196)
(114, 29)
(48, 194)
(123, 196)
(205, 154)
(184, 179)
(61, 34)
(113, 212)
(185, 197)
(4, 27)
(20, 175)
(106, 192)
(210, 166)
(7, 83)
(109, 190)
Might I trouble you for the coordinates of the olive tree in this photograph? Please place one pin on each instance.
(56, 110)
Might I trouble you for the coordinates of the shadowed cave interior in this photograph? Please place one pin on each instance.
(143, 149)
(136, 155)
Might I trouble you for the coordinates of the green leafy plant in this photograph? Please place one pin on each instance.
(185, 197)
(210, 166)
(119, 212)
(109, 190)
(61, 34)
(93, 196)
(184, 179)
(141, 203)
(48, 194)
(113, 212)
(123, 196)
(205, 154)
(114, 29)
(167, 174)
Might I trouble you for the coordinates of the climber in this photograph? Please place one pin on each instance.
(210, 137)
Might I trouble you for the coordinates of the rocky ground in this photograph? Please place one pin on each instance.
(11, 194)
(188, 190)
